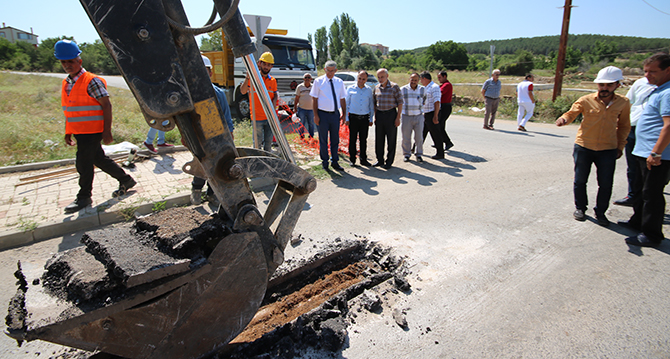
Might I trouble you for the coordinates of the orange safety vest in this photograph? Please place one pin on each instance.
(83, 113)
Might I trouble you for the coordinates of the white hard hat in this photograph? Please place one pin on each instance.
(608, 75)
(205, 59)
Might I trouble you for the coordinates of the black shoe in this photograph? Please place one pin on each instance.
(124, 187)
(337, 166)
(77, 205)
(387, 166)
(626, 202)
(325, 166)
(406, 159)
(419, 159)
(629, 225)
(579, 215)
(365, 163)
(448, 146)
(642, 241)
(602, 220)
(437, 157)
(377, 164)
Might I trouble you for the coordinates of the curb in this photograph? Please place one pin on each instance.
(17, 238)
(70, 161)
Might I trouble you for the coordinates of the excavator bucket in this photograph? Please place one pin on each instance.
(125, 294)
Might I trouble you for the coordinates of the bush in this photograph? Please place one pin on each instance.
(551, 110)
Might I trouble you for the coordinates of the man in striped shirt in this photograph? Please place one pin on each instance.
(388, 107)
(431, 113)
(412, 120)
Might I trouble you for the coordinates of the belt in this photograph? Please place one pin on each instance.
(326, 111)
(492, 98)
(355, 114)
(393, 109)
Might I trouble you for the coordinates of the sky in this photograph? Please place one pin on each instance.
(391, 23)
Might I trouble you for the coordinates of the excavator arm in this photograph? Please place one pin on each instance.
(180, 309)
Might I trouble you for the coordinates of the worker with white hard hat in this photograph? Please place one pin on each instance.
(600, 140)
(88, 121)
(199, 183)
(263, 130)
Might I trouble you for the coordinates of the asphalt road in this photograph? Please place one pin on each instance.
(499, 267)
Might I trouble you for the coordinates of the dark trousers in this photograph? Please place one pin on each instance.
(633, 168)
(385, 131)
(89, 154)
(329, 128)
(605, 162)
(198, 184)
(435, 132)
(443, 116)
(649, 201)
(358, 128)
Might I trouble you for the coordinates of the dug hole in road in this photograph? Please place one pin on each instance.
(499, 268)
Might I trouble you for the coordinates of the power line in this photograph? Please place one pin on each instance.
(651, 6)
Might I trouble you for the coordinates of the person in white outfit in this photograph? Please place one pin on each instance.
(524, 93)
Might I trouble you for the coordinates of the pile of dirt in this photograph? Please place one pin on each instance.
(311, 310)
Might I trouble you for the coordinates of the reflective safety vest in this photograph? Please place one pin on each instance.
(83, 113)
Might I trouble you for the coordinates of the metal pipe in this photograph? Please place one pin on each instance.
(259, 87)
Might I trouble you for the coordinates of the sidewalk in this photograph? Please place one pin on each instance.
(34, 212)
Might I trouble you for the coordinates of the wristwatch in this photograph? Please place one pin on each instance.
(656, 155)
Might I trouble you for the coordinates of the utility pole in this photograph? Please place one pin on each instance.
(560, 61)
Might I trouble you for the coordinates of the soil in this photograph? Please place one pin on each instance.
(296, 304)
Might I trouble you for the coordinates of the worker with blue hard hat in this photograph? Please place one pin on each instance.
(88, 117)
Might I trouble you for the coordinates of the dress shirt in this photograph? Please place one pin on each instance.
(387, 97)
(637, 95)
(433, 94)
(649, 127)
(360, 101)
(413, 100)
(492, 88)
(603, 127)
(322, 91)
(447, 90)
(96, 88)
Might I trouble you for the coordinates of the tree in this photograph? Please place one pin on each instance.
(212, 41)
(349, 33)
(520, 64)
(451, 54)
(344, 60)
(321, 44)
(603, 51)
(335, 38)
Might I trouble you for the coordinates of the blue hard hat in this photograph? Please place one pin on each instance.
(66, 50)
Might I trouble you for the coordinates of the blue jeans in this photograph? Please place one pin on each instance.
(307, 119)
(329, 128)
(264, 135)
(605, 162)
(151, 135)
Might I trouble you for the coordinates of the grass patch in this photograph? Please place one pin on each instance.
(159, 206)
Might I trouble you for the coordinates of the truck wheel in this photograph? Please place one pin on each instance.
(243, 107)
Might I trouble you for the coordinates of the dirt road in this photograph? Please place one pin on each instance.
(499, 267)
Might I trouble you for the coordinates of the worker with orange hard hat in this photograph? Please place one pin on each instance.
(264, 131)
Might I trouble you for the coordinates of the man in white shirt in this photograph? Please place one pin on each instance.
(637, 95)
(327, 93)
(526, 101)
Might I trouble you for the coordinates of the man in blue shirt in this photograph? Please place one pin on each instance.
(360, 112)
(652, 135)
(198, 183)
(491, 94)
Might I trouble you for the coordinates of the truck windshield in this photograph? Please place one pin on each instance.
(293, 57)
